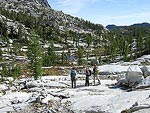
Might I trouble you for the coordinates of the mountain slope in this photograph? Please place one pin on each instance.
(20, 18)
(71, 35)
(49, 16)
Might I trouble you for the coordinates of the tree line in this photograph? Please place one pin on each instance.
(126, 43)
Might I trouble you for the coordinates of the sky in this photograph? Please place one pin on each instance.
(105, 12)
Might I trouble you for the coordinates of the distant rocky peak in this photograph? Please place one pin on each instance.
(43, 2)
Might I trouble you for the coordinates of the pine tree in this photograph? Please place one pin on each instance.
(1, 54)
(62, 57)
(100, 59)
(147, 44)
(80, 55)
(126, 52)
(4, 71)
(15, 71)
(52, 54)
(35, 56)
(88, 40)
(20, 33)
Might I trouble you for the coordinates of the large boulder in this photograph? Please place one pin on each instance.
(134, 75)
(146, 71)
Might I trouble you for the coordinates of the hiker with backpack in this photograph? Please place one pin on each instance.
(73, 77)
(95, 74)
(88, 74)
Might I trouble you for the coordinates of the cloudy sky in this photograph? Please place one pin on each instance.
(118, 12)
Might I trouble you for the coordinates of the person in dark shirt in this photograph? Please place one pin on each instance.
(73, 77)
(87, 73)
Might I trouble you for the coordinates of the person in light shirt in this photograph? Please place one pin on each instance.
(95, 74)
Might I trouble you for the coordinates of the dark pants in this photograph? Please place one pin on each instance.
(87, 81)
(73, 82)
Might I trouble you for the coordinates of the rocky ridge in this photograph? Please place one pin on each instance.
(51, 17)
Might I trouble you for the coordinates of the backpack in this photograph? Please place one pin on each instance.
(73, 73)
(90, 72)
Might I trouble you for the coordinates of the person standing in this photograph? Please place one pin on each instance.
(95, 74)
(73, 77)
(87, 73)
